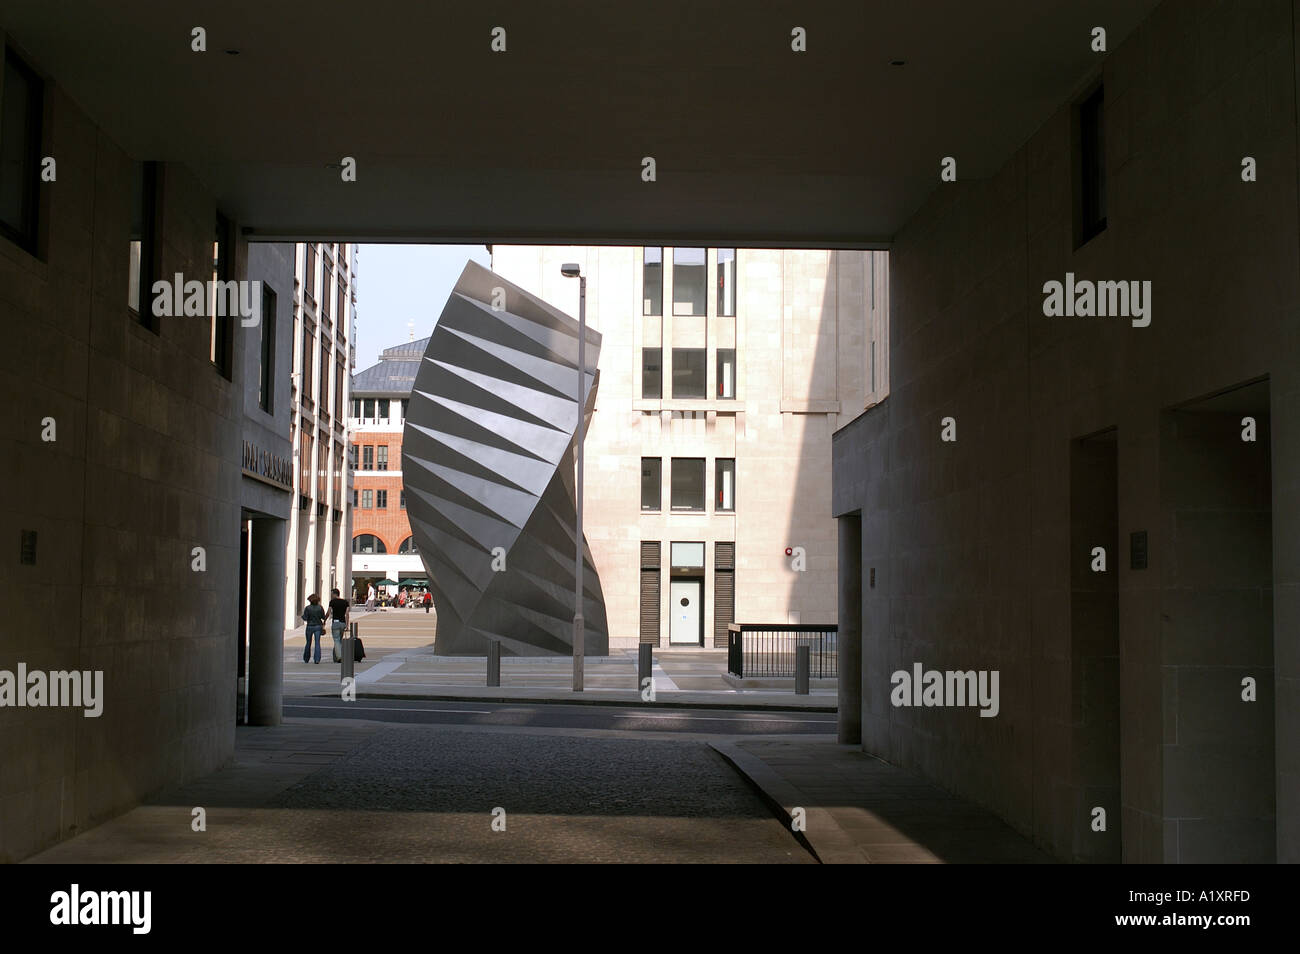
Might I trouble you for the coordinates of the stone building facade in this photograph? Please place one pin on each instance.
(723, 374)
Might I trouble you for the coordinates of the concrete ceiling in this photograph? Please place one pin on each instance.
(755, 145)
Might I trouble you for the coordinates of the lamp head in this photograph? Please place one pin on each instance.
(571, 270)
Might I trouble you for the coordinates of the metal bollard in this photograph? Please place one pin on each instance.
(802, 665)
(644, 664)
(347, 655)
(494, 663)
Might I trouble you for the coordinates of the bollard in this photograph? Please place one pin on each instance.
(494, 663)
(802, 664)
(644, 663)
(347, 655)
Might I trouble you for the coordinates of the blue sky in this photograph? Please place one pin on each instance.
(397, 284)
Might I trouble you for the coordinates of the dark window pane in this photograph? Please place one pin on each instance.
(383, 406)
(651, 483)
(689, 281)
(652, 372)
(1092, 166)
(266, 366)
(652, 280)
(726, 281)
(689, 380)
(688, 483)
(20, 135)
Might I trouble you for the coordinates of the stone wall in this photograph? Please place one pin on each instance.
(145, 468)
(972, 540)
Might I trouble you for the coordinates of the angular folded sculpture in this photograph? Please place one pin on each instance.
(488, 466)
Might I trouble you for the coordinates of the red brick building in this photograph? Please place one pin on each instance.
(382, 547)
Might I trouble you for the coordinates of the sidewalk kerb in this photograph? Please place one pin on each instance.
(637, 702)
(823, 836)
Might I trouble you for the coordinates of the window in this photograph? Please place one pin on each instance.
(651, 483)
(324, 379)
(688, 373)
(322, 465)
(356, 407)
(326, 280)
(368, 457)
(688, 483)
(338, 390)
(20, 148)
(353, 451)
(382, 410)
(338, 477)
(408, 546)
(223, 304)
(304, 462)
(724, 484)
(406, 404)
(401, 499)
(266, 353)
(382, 462)
(689, 281)
(652, 281)
(652, 372)
(368, 408)
(309, 283)
(727, 282)
(339, 312)
(308, 345)
(686, 555)
(367, 499)
(355, 494)
(381, 499)
(368, 543)
(1092, 167)
(140, 279)
(726, 372)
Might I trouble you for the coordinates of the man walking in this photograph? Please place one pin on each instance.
(370, 599)
(338, 614)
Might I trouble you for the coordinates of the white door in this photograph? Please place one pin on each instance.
(685, 599)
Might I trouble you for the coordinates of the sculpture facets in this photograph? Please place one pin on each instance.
(488, 466)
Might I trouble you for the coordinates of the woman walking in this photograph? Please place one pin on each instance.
(314, 615)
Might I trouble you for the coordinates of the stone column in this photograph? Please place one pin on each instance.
(266, 623)
(850, 629)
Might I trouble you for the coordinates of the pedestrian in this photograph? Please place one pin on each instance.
(314, 615)
(428, 601)
(338, 612)
(370, 599)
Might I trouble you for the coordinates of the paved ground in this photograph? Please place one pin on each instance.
(388, 779)
(400, 663)
(557, 715)
(860, 809)
(355, 792)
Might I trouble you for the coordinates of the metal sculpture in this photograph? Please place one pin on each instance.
(488, 466)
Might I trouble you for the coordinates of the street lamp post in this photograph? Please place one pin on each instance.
(572, 270)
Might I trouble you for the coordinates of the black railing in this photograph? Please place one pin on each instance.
(763, 649)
